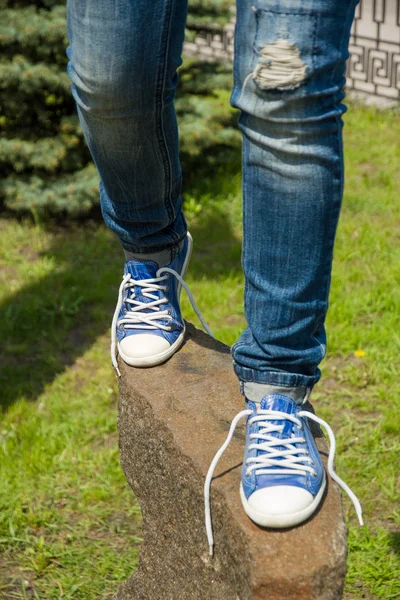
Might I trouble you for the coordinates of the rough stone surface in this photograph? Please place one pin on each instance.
(172, 420)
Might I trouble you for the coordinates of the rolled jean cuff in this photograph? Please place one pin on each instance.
(172, 245)
(275, 378)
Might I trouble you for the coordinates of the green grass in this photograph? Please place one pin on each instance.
(69, 525)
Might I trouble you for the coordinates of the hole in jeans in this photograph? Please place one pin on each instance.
(280, 67)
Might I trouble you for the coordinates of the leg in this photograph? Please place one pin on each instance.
(123, 58)
(288, 82)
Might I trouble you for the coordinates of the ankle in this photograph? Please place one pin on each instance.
(255, 391)
(161, 258)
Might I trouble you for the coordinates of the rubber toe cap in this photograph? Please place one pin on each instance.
(143, 345)
(280, 500)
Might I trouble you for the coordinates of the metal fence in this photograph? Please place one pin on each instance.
(374, 64)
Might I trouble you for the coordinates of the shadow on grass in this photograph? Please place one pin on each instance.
(48, 324)
(51, 322)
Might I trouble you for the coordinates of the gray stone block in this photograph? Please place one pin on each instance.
(217, 44)
(190, 48)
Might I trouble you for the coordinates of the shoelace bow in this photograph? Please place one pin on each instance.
(292, 460)
(135, 318)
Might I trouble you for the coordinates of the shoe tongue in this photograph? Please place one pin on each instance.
(283, 404)
(146, 269)
(278, 402)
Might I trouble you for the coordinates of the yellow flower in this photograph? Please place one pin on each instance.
(359, 353)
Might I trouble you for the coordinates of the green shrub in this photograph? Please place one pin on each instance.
(45, 165)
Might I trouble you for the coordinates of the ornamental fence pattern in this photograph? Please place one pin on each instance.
(374, 64)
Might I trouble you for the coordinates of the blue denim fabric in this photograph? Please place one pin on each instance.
(292, 186)
(123, 57)
(288, 84)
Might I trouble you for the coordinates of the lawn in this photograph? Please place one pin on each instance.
(69, 525)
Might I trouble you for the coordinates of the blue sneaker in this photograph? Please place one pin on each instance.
(148, 326)
(283, 477)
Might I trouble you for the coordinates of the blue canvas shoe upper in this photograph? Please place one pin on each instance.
(280, 450)
(151, 300)
(147, 326)
(283, 477)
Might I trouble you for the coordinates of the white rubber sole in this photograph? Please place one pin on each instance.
(157, 359)
(282, 521)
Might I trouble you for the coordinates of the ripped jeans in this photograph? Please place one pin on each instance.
(289, 68)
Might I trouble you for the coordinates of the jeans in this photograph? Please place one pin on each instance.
(288, 72)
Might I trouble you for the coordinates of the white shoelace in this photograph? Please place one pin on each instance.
(292, 460)
(135, 318)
